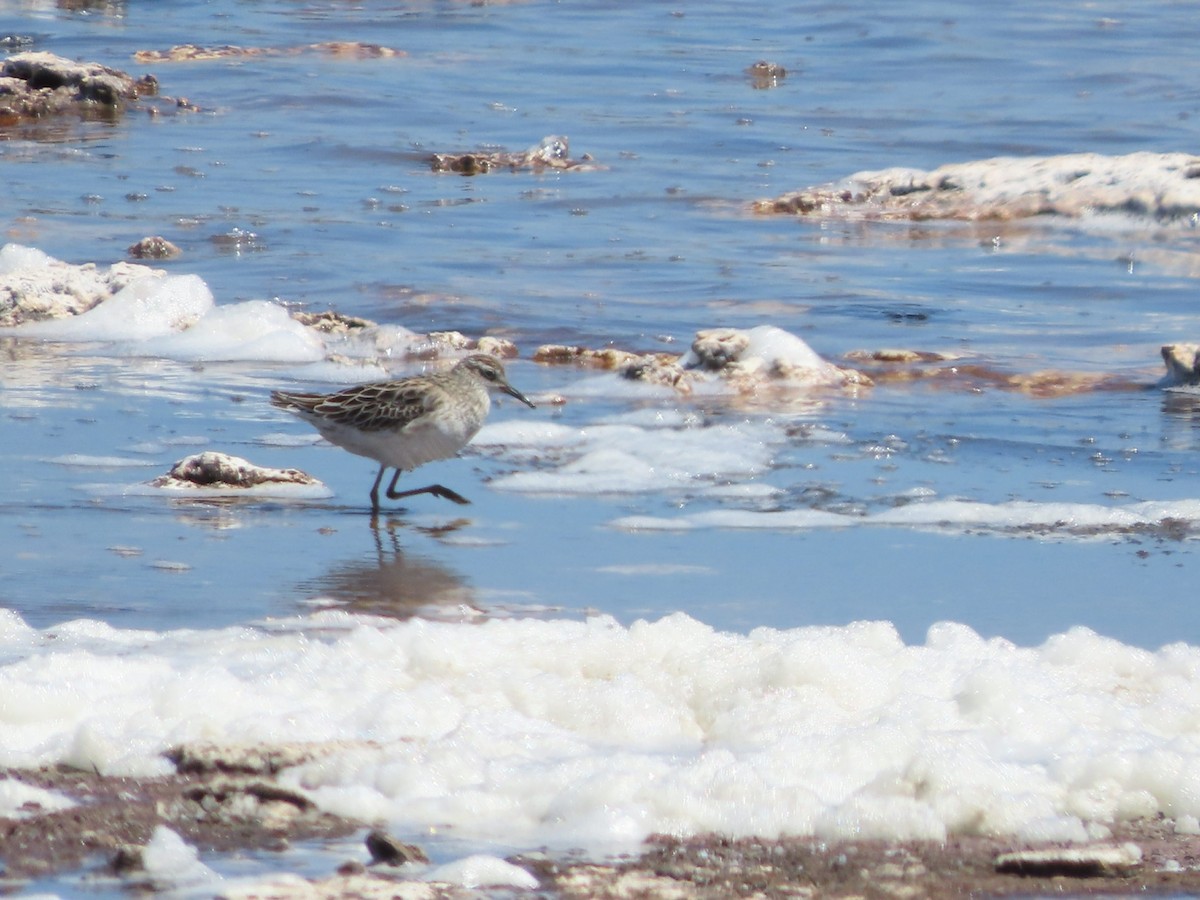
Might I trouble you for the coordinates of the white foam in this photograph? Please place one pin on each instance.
(627, 458)
(481, 870)
(592, 733)
(19, 800)
(1017, 516)
(275, 490)
(15, 257)
(148, 307)
(170, 863)
(253, 330)
(86, 461)
(175, 316)
(773, 349)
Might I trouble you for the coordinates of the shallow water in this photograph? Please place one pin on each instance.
(302, 179)
(322, 161)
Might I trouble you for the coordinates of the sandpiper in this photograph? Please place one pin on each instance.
(406, 423)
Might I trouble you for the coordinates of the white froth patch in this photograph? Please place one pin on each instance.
(15, 257)
(526, 732)
(625, 457)
(482, 870)
(170, 863)
(1018, 516)
(151, 306)
(268, 490)
(256, 330)
(85, 461)
(19, 800)
(772, 348)
(642, 569)
(175, 316)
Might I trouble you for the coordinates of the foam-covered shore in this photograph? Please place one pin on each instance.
(596, 734)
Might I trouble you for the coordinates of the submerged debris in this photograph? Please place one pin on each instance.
(959, 372)
(195, 52)
(552, 153)
(37, 84)
(1153, 185)
(765, 74)
(215, 470)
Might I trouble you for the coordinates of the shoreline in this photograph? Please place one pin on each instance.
(227, 809)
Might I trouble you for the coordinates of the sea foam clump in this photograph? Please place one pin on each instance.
(594, 733)
(147, 312)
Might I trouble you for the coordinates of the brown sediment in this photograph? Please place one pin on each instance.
(113, 816)
(228, 799)
(712, 866)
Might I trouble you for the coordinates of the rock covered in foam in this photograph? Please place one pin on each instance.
(1183, 365)
(212, 470)
(747, 360)
(176, 316)
(35, 287)
(765, 353)
(1146, 184)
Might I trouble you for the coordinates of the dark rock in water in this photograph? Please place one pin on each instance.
(387, 850)
(37, 84)
(153, 248)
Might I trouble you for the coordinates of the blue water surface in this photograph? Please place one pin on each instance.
(303, 177)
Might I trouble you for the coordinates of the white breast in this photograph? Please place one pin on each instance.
(431, 437)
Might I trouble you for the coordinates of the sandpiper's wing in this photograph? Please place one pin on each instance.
(367, 407)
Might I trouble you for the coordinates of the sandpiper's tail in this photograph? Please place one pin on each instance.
(295, 402)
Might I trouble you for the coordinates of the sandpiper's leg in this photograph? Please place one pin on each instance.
(436, 489)
(391, 491)
(375, 486)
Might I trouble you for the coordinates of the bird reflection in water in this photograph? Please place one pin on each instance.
(396, 584)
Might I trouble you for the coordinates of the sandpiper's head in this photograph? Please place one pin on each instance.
(490, 371)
